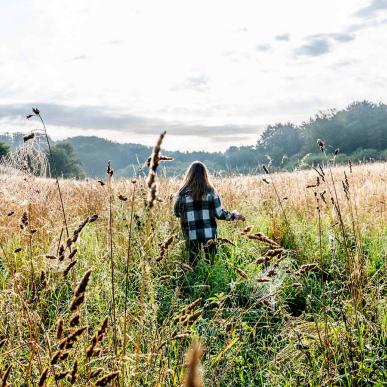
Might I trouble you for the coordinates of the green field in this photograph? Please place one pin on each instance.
(296, 294)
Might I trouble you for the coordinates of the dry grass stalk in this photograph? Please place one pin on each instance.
(263, 238)
(76, 302)
(271, 273)
(218, 241)
(247, 229)
(161, 158)
(187, 267)
(74, 321)
(166, 277)
(28, 137)
(164, 247)
(93, 218)
(97, 338)
(153, 165)
(190, 319)
(73, 375)
(107, 379)
(61, 375)
(305, 268)
(242, 273)
(176, 336)
(64, 355)
(128, 257)
(55, 357)
(5, 376)
(187, 309)
(94, 373)
(24, 221)
(270, 254)
(72, 254)
(36, 112)
(152, 194)
(68, 342)
(59, 329)
(193, 376)
(43, 377)
(80, 289)
(109, 172)
(68, 267)
(179, 336)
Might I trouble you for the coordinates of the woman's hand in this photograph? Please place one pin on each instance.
(238, 215)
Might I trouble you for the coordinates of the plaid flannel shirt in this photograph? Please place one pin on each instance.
(197, 218)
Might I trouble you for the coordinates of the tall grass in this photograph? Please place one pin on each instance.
(270, 310)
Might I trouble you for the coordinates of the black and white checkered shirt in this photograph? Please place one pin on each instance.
(197, 218)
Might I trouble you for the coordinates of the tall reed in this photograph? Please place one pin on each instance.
(36, 112)
(128, 256)
(110, 172)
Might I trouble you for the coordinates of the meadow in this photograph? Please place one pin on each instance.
(96, 287)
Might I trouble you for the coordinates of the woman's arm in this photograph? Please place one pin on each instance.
(220, 213)
(177, 206)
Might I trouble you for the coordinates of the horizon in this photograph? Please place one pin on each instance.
(211, 78)
(253, 143)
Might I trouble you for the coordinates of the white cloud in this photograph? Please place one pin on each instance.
(201, 64)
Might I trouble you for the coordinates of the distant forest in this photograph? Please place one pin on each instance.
(357, 133)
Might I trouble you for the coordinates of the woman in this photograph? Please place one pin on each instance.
(198, 206)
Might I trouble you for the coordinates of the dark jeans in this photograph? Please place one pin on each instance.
(194, 248)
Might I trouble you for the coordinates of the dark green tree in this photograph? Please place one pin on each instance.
(360, 125)
(66, 163)
(279, 142)
(4, 149)
(242, 159)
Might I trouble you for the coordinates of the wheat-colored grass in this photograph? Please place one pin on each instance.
(285, 302)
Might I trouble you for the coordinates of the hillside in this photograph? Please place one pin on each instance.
(357, 133)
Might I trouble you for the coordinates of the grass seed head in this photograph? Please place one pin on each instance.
(43, 377)
(5, 376)
(193, 377)
(107, 379)
(93, 218)
(76, 302)
(74, 320)
(72, 254)
(74, 369)
(61, 375)
(242, 273)
(68, 268)
(94, 373)
(59, 329)
(83, 284)
(55, 357)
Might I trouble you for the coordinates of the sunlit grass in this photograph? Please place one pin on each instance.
(311, 328)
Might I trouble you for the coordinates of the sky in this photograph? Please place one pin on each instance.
(211, 73)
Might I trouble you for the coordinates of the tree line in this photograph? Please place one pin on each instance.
(358, 133)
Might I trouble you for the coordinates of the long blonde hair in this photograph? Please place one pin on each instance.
(196, 182)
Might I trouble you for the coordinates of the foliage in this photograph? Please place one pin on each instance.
(65, 161)
(4, 149)
(279, 142)
(358, 132)
(361, 126)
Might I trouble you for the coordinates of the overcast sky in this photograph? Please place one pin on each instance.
(212, 73)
